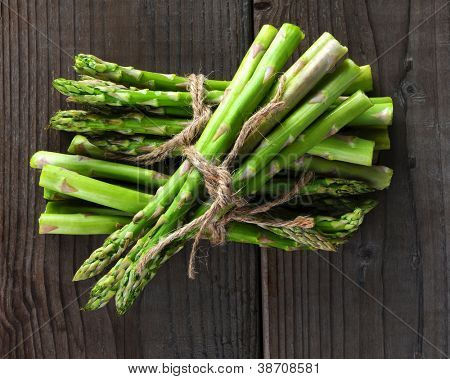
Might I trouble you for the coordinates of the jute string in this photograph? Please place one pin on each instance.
(201, 115)
(218, 180)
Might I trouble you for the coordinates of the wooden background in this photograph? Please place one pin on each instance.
(247, 302)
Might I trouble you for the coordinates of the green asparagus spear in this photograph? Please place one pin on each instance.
(112, 146)
(77, 206)
(54, 196)
(346, 149)
(379, 136)
(100, 169)
(80, 224)
(378, 177)
(379, 116)
(82, 187)
(340, 229)
(98, 92)
(318, 187)
(87, 64)
(128, 123)
(75, 219)
(363, 82)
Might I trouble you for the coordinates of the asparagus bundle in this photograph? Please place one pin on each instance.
(314, 117)
(133, 281)
(175, 213)
(242, 98)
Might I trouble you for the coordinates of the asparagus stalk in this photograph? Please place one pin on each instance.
(100, 169)
(88, 224)
(128, 123)
(109, 146)
(54, 196)
(98, 92)
(77, 219)
(86, 64)
(319, 187)
(337, 205)
(80, 224)
(346, 149)
(115, 244)
(340, 229)
(76, 206)
(363, 82)
(138, 123)
(93, 190)
(378, 177)
(379, 136)
(82, 187)
(379, 116)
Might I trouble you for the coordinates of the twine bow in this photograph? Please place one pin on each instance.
(226, 205)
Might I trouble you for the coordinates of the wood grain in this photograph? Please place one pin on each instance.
(400, 256)
(215, 316)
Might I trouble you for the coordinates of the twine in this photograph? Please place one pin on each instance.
(201, 115)
(218, 180)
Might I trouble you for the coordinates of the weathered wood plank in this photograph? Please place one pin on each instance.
(399, 256)
(215, 316)
(424, 93)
